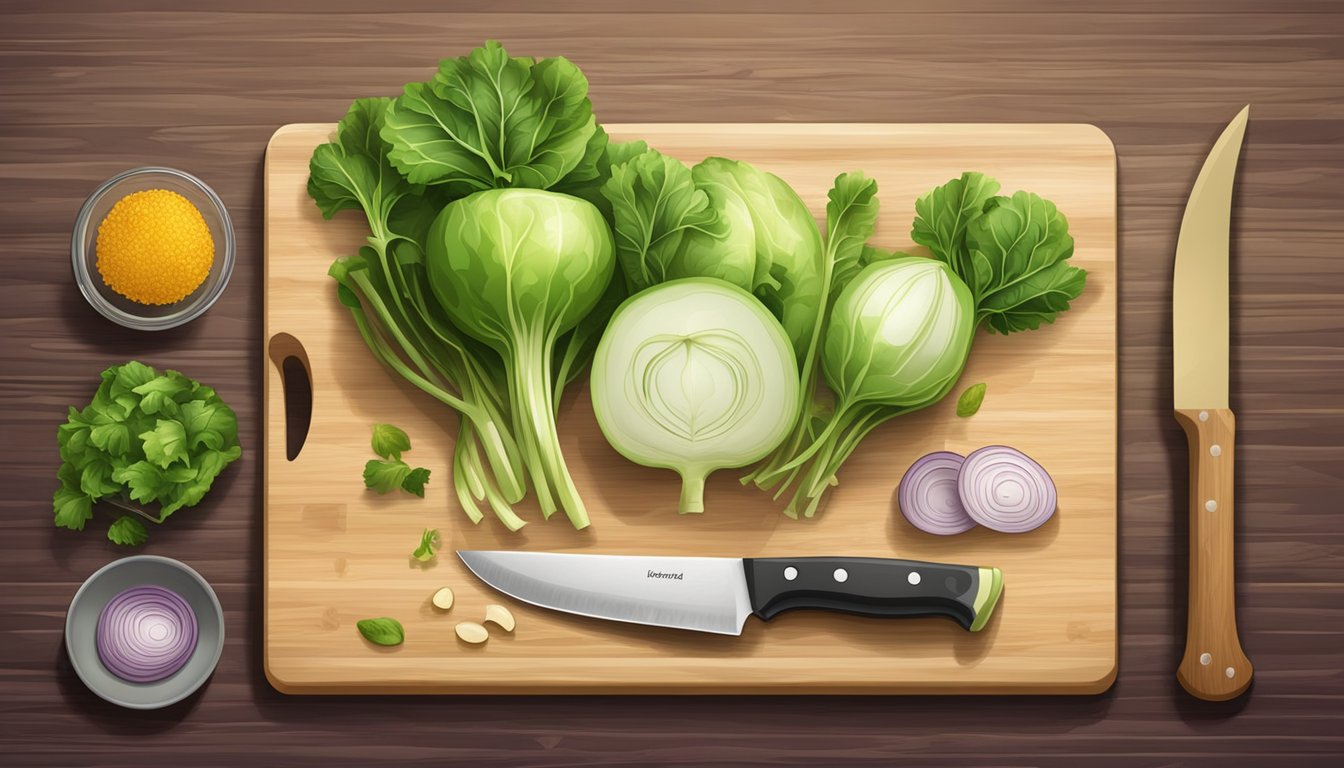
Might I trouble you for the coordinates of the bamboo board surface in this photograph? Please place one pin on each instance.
(335, 554)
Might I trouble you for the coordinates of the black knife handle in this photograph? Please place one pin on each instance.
(873, 586)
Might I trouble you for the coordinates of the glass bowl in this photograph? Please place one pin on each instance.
(84, 256)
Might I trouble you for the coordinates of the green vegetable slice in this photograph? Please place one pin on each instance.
(382, 631)
(429, 541)
(692, 375)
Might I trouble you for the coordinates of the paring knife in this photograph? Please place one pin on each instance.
(717, 594)
(1214, 666)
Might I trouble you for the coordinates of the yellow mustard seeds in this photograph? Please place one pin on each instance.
(154, 247)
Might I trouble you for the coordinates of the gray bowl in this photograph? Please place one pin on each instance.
(84, 249)
(81, 630)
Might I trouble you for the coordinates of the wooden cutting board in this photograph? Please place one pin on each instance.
(335, 553)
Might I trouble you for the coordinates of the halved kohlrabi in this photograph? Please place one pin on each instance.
(694, 375)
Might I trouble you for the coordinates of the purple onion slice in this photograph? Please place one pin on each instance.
(146, 633)
(1005, 490)
(929, 497)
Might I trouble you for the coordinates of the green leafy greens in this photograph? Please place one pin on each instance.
(505, 229)
(484, 124)
(145, 437)
(899, 328)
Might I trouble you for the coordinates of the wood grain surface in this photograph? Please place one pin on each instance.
(90, 89)
(334, 556)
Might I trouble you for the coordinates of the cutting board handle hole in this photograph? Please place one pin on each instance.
(291, 359)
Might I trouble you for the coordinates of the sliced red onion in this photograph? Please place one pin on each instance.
(929, 497)
(146, 633)
(1004, 489)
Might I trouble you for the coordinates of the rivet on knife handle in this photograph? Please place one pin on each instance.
(1214, 666)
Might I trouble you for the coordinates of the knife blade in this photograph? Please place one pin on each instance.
(1213, 666)
(717, 594)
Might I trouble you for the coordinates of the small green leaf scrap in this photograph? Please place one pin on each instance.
(389, 441)
(128, 532)
(390, 473)
(429, 541)
(970, 400)
(382, 631)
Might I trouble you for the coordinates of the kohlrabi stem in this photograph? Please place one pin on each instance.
(820, 470)
(692, 493)
(497, 452)
(466, 482)
(840, 418)
(535, 415)
(484, 488)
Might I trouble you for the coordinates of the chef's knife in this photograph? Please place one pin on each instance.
(1214, 666)
(717, 594)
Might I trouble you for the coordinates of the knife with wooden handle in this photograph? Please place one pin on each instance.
(1214, 666)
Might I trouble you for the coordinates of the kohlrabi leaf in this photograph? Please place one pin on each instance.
(666, 228)
(353, 171)
(385, 475)
(487, 120)
(590, 189)
(851, 219)
(1019, 250)
(414, 482)
(942, 215)
(790, 262)
(127, 531)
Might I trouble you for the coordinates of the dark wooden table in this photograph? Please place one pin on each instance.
(86, 91)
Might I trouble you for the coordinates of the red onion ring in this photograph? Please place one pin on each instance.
(929, 497)
(1004, 489)
(146, 633)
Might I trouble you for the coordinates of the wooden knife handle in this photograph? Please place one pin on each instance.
(1214, 667)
